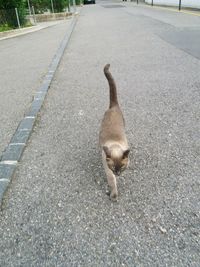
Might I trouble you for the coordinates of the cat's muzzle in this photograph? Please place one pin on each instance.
(117, 173)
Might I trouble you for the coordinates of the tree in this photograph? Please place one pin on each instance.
(8, 4)
(43, 5)
(8, 7)
(40, 5)
(60, 5)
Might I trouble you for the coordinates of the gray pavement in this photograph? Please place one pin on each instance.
(56, 212)
(24, 62)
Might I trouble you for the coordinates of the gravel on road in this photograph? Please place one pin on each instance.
(56, 212)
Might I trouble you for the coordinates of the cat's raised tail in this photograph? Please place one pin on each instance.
(112, 85)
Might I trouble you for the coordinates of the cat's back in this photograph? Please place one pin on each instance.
(114, 117)
(112, 127)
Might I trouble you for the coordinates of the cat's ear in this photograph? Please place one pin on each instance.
(107, 152)
(126, 153)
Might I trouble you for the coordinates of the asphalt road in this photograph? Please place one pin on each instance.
(24, 62)
(56, 212)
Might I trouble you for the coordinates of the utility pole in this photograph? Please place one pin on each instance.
(74, 6)
(52, 6)
(34, 17)
(29, 7)
(179, 8)
(17, 15)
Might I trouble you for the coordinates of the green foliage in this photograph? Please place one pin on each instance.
(4, 28)
(41, 6)
(8, 15)
(60, 5)
(8, 11)
(78, 2)
(10, 4)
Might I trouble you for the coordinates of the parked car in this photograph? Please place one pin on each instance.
(86, 2)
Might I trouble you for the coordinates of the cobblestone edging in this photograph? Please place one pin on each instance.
(13, 152)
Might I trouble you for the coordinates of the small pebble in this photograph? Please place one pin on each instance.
(163, 230)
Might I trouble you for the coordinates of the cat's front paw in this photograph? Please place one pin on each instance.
(114, 196)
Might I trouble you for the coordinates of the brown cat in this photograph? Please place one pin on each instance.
(112, 138)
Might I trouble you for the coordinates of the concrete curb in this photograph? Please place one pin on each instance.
(16, 31)
(13, 152)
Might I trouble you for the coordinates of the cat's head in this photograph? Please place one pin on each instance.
(116, 158)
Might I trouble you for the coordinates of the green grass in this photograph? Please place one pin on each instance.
(4, 28)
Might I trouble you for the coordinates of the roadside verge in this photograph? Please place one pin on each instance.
(12, 154)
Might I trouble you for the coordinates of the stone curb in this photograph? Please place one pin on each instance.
(13, 152)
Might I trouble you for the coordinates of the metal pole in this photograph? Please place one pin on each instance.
(34, 17)
(152, 2)
(137, 2)
(18, 22)
(179, 8)
(29, 7)
(74, 6)
(69, 8)
(52, 6)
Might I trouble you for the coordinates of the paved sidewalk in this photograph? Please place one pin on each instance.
(25, 62)
(22, 31)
